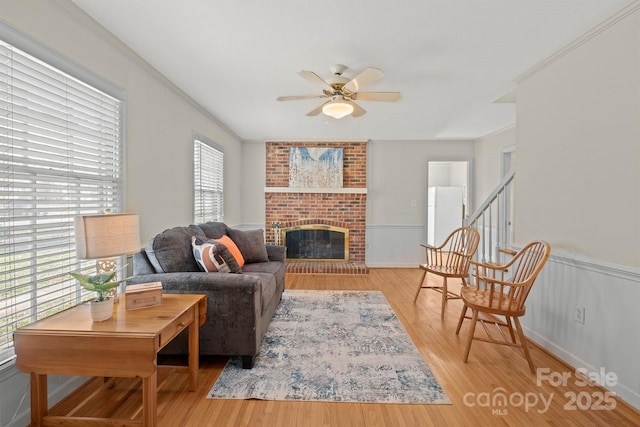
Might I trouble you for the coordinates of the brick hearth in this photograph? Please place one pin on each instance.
(328, 267)
(342, 207)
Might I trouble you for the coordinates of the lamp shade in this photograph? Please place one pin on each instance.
(105, 236)
(337, 109)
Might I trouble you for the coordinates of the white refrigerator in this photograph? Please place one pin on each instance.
(444, 213)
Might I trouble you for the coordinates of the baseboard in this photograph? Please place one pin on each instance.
(629, 396)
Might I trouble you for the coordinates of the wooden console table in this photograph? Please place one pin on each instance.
(69, 343)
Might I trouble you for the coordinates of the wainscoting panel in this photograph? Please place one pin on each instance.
(609, 339)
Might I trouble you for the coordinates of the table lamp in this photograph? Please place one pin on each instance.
(105, 237)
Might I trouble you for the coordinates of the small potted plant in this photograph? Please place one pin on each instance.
(102, 305)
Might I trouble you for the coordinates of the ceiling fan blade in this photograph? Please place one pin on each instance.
(315, 79)
(366, 77)
(316, 110)
(377, 96)
(357, 110)
(295, 98)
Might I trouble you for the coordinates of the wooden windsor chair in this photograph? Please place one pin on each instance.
(501, 290)
(450, 260)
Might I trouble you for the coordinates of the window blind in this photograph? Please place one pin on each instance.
(208, 182)
(60, 156)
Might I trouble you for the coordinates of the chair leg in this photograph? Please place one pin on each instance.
(524, 345)
(463, 313)
(510, 326)
(424, 275)
(444, 297)
(474, 319)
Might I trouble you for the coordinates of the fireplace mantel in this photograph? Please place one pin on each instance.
(315, 190)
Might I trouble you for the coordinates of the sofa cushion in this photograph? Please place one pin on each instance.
(208, 255)
(263, 267)
(170, 251)
(231, 246)
(141, 263)
(214, 230)
(251, 244)
(272, 267)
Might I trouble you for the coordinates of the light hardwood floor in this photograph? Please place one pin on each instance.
(491, 370)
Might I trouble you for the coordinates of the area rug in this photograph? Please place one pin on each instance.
(333, 346)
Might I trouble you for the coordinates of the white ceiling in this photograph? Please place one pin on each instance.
(450, 59)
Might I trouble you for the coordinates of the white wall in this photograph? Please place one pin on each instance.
(578, 187)
(253, 201)
(578, 179)
(159, 122)
(487, 158)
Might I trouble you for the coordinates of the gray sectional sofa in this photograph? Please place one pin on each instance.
(239, 305)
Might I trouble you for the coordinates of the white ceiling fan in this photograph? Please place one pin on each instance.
(342, 92)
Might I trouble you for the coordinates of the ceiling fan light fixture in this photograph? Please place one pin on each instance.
(337, 108)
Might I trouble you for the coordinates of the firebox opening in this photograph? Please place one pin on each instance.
(317, 242)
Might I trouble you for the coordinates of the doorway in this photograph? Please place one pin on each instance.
(507, 160)
(448, 195)
(507, 164)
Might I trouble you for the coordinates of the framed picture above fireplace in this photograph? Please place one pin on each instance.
(315, 167)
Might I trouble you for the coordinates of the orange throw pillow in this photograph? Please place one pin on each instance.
(226, 240)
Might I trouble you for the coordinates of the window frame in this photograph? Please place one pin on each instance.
(80, 77)
(199, 194)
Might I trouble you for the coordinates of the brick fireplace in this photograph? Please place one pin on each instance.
(336, 207)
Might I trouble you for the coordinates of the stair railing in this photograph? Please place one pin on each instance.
(493, 220)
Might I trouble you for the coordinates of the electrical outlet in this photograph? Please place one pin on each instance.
(580, 314)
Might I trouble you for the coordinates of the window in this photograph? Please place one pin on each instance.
(208, 181)
(60, 156)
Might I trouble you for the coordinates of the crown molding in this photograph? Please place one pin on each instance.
(623, 13)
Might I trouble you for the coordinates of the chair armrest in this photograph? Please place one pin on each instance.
(503, 266)
(500, 282)
(487, 272)
(234, 306)
(431, 247)
(276, 252)
(490, 265)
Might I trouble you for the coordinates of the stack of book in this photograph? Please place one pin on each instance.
(143, 295)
